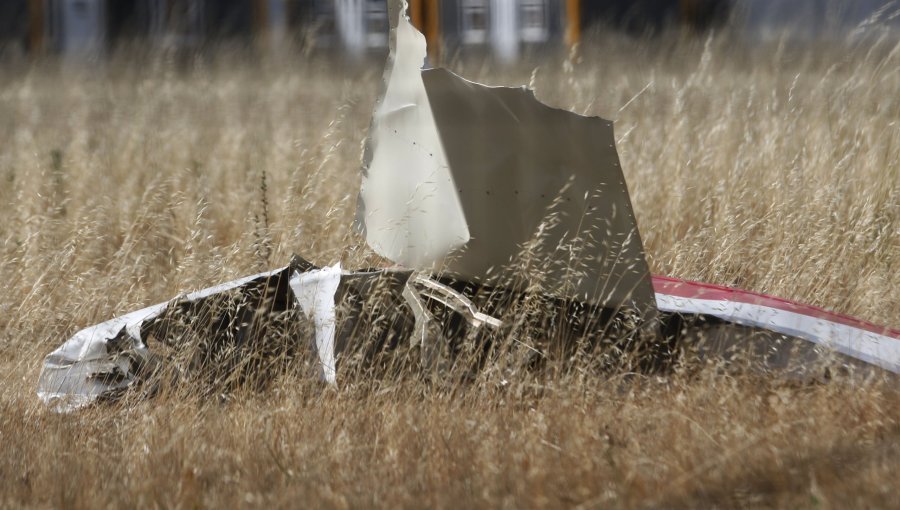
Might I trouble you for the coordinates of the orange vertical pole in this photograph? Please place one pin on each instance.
(415, 13)
(260, 21)
(573, 22)
(433, 30)
(36, 21)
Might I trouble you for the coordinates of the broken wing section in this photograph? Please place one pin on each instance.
(246, 328)
(99, 361)
(541, 183)
(96, 361)
(408, 205)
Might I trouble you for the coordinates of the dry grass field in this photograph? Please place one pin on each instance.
(776, 169)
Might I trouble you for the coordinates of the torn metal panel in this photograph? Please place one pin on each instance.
(103, 359)
(531, 175)
(232, 338)
(233, 333)
(373, 316)
(469, 182)
(462, 178)
(315, 291)
(815, 333)
(456, 301)
(95, 361)
(759, 349)
(408, 207)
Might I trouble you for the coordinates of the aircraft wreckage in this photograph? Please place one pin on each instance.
(463, 185)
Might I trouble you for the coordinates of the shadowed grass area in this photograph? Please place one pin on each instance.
(776, 169)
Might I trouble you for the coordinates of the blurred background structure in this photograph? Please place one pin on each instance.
(504, 28)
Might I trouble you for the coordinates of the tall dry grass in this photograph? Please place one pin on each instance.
(774, 168)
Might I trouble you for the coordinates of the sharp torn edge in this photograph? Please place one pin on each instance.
(413, 215)
(103, 360)
(459, 178)
(315, 292)
(99, 361)
(427, 223)
(455, 301)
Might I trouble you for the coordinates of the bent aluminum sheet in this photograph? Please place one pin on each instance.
(315, 291)
(460, 180)
(526, 171)
(103, 359)
(412, 213)
(380, 308)
(831, 332)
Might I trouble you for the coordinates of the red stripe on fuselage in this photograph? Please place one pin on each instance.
(698, 290)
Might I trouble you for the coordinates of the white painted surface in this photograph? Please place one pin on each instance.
(315, 292)
(879, 350)
(412, 212)
(89, 347)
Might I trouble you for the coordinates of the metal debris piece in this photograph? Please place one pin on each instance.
(228, 331)
(454, 300)
(315, 291)
(105, 359)
(794, 336)
(408, 206)
(469, 181)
